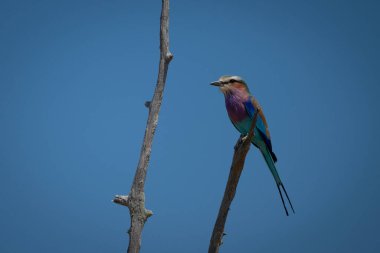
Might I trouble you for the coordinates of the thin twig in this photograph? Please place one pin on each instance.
(135, 201)
(241, 149)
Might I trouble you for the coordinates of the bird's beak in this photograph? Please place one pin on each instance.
(216, 83)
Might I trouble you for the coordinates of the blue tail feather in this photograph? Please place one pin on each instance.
(272, 167)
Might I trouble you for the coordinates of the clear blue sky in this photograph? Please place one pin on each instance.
(74, 76)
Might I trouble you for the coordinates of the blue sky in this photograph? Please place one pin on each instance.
(74, 78)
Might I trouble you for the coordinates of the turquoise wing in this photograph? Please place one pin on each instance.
(261, 125)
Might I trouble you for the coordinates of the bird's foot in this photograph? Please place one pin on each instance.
(244, 138)
(240, 141)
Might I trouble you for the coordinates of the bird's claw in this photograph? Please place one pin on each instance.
(240, 141)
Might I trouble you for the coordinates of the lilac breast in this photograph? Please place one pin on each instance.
(235, 107)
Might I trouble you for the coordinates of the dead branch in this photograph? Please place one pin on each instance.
(241, 149)
(135, 200)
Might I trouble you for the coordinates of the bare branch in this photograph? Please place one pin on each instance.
(135, 200)
(241, 149)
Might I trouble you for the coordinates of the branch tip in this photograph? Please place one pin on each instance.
(169, 56)
(121, 200)
(148, 213)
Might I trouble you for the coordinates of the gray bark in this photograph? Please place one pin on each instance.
(135, 200)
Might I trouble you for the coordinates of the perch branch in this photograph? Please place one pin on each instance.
(135, 200)
(241, 149)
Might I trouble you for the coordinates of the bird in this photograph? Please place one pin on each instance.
(241, 107)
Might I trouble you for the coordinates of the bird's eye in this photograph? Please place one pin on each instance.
(232, 81)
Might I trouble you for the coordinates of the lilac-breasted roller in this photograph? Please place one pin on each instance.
(241, 107)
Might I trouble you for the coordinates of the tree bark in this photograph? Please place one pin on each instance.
(135, 200)
(241, 149)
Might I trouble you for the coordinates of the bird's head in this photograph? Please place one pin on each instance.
(228, 84)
